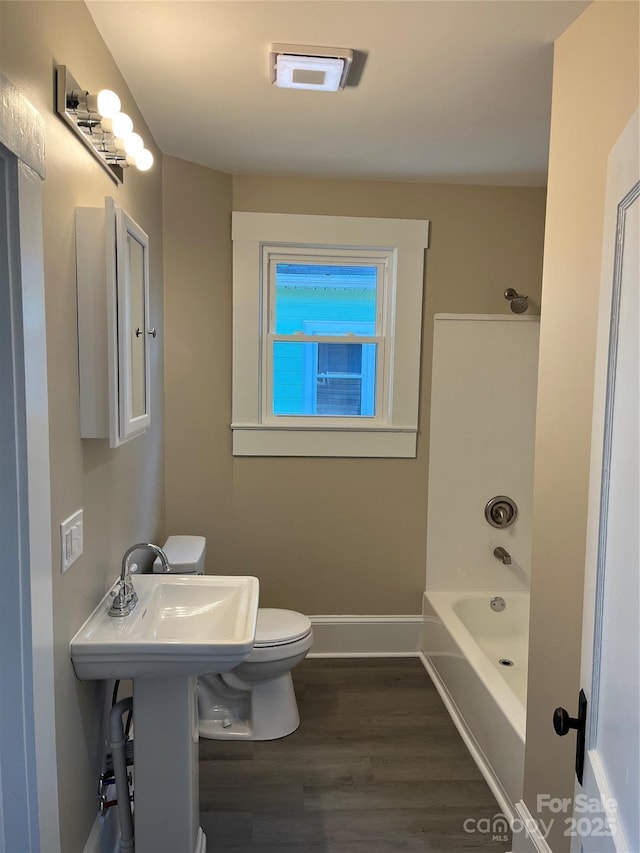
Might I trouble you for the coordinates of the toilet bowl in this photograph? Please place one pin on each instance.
(256, 700)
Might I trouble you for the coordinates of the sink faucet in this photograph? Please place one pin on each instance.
(500, 554)
(125, 598)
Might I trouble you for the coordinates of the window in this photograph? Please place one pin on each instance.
(326, 343)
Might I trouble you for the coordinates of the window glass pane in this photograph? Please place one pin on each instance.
(288, 378)
(325, 299)
(324, 379)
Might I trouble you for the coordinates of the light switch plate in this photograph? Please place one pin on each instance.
(71, 539)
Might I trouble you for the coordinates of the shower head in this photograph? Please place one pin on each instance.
(519, 302)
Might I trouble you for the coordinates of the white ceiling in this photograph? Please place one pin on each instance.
(451, 90)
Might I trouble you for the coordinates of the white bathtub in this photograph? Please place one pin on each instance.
(464, 640)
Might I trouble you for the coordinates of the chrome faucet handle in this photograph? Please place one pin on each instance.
(121, 604)
(125, 598)
(130, 593)
(500, 515)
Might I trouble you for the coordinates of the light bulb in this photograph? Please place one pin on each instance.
(133, 144)
(121, 125)
(144, 160)
(108, 103)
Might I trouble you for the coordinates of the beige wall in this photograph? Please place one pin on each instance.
(197, 268)
(323, 535)
(121, 491)
(595, 91)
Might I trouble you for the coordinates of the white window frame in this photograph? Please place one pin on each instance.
(260, 240)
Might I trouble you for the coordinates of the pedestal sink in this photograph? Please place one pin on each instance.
(181, 627)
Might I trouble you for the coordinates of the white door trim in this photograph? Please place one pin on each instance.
(39, 487)
(22, 131)
(602, 408)
(623, 191)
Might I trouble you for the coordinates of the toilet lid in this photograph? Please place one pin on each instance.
(275, 627)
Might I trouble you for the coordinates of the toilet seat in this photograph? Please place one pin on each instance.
(277, 627)
(278, 652)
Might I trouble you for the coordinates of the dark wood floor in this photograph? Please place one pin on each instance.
(376, 766)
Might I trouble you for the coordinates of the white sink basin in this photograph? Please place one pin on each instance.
(182, 625)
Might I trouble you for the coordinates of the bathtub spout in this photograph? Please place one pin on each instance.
(501, 554)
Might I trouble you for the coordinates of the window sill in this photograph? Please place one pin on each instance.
(368, 442)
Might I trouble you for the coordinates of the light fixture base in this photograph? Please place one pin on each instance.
(67, 88)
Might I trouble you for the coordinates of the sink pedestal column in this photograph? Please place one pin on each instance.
(166, 814)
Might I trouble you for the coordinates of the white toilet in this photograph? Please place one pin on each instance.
(256, 700)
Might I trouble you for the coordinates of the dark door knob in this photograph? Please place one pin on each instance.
(563, 723)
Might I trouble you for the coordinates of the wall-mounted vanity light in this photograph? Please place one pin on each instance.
(98, 121)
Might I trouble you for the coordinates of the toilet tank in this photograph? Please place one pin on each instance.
(185, 555)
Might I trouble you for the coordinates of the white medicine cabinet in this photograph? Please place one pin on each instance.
(114, 327)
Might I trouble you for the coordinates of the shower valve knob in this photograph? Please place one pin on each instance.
(501, 511)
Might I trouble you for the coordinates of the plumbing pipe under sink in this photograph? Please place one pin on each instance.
(117, 745)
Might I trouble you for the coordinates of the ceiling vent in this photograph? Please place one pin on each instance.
(295, 66)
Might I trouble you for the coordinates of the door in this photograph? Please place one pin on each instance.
(606, 805)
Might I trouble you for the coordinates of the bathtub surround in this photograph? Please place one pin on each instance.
(483, 402)
(483, 409)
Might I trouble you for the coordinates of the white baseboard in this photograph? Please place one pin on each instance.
(366, 636)
(105, 834)
(470, 742)
(527, 833)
